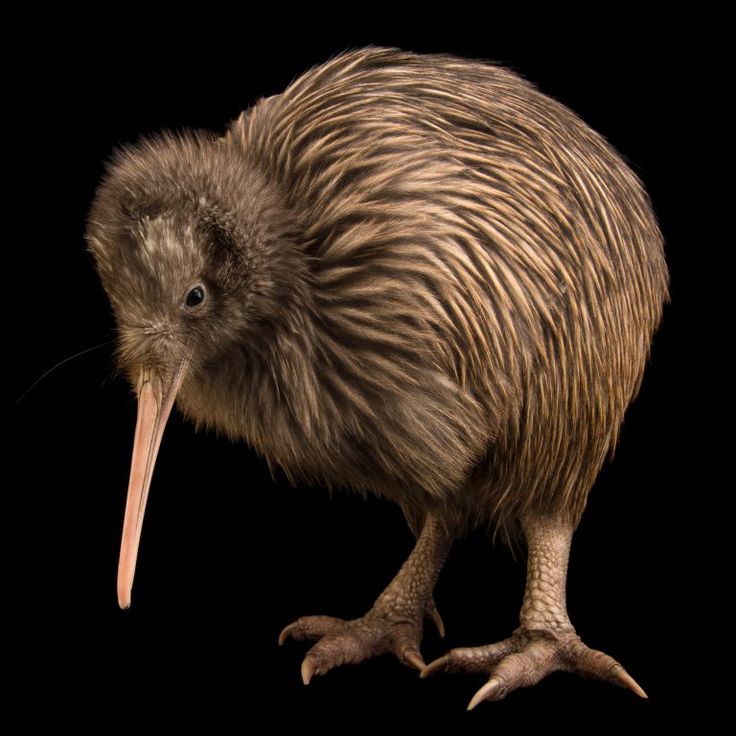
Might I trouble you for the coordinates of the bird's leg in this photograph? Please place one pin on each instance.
(415, 524)
(393, 625)
(546, 641)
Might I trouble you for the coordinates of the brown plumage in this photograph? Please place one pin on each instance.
(423, 279)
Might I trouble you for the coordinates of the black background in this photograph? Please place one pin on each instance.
(228, 555)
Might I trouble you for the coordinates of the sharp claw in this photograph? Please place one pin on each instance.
(308, 669)
(434, 667)
(489, 691)
(624, 679)
(434, 614)
(413, 658)
(285, 634)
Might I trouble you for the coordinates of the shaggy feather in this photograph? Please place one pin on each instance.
(431, 282)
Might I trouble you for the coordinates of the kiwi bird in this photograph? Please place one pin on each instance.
(415, 276)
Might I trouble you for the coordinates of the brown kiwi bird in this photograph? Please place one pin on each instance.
(410, 275)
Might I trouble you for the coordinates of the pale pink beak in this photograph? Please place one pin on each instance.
(155, 401)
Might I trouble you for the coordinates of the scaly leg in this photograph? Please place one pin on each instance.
(393, 625)
(546, 640)
(431, 612)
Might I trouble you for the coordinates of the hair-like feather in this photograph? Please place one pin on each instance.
(437, 283)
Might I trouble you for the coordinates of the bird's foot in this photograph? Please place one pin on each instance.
(526, 657)
(385, 629)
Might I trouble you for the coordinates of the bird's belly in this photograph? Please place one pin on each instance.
(356, 465)
(389, 456)
(417, 442)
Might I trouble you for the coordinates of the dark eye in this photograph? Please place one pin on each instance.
(195, 296)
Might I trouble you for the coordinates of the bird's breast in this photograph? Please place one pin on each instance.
(421, 442)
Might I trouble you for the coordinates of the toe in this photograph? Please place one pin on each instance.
(517, 670)
(349, 645)
(311, 628)
(405, 645)
(469, 659)
(598, 665)
(524, 668)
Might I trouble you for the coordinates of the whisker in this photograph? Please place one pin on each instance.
(58, 365)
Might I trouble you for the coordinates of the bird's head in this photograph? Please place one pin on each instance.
(197, 257)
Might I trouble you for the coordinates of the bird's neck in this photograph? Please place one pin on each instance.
(271, 400)
(266, 393)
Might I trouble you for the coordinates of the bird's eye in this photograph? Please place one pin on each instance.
(195, 296)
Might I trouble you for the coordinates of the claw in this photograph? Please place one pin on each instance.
(308, 669)
(434, 614)
(490, 691)
(621, 677)
(285, 634)
(434, 667)
(413, 658)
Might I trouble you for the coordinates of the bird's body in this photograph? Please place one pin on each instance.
(432, 282)
(485, 277)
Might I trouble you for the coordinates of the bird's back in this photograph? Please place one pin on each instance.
(481, 259)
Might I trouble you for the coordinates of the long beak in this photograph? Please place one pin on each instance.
(155, 400)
